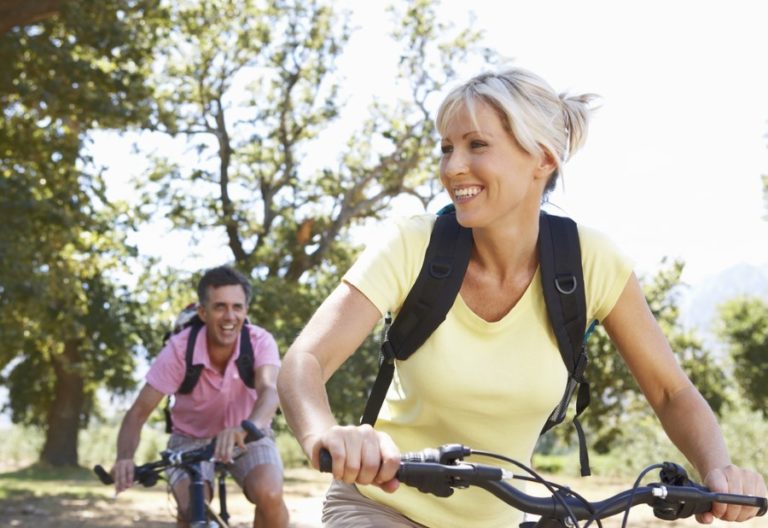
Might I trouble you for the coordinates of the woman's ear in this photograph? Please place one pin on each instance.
(547, 164)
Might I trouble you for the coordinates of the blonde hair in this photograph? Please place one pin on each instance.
(536, 116)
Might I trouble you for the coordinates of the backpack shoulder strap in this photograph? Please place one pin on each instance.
(435, 289)
(563, 284)
(244, 361)
(562, 280)
(167, 415)
(426, 304)
(192, 372)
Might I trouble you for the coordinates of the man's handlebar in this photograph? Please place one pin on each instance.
(147, 474)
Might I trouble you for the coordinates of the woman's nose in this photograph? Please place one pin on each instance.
(455, 164)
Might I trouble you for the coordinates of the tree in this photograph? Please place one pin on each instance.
(252, 87)
(744, 327)
(68, 325)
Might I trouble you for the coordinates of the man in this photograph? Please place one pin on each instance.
(218, 403)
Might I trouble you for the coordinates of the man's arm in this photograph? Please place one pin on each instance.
(130, 434)
(265, 383)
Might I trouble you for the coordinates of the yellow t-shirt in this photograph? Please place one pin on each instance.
(490, 386)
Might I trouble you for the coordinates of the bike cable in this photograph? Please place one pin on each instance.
(633, 490)
(557, 494)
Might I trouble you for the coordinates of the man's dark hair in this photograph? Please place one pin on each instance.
(222, 276)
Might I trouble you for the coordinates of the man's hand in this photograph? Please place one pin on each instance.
(226, 442)
(122, 473)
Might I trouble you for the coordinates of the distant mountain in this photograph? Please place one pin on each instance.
(699, 304)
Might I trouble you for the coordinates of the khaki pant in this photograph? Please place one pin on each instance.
(263, 451)
(345, 506)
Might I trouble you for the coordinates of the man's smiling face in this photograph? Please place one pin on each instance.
(224, 313)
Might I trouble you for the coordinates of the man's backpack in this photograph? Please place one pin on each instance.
(432, 295)
(189, 319)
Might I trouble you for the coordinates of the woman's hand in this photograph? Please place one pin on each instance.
(361, 455)
(732, 479)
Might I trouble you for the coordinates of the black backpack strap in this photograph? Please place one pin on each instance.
(426, 305)
(563, 284)
(167, 414)
(244, 361)
(192, 372)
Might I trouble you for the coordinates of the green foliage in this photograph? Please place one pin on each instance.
(744, 328)
(745, 433)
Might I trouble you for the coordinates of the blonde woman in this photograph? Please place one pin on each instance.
(491, 374)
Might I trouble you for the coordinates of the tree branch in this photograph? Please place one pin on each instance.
(227, 207)
(23, 12)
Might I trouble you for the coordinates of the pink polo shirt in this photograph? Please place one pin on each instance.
(218, 400)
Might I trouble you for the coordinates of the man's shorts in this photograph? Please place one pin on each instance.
(263, 451)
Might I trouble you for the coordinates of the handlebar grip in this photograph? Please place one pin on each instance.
(253, 432)
(326, 460)
(761, 503)
(104, 477)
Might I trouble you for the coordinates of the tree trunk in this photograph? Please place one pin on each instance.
(63, 421)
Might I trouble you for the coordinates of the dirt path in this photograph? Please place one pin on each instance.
(153, 508)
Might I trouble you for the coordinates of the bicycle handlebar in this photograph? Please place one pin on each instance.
(149, 473)
(440, 471)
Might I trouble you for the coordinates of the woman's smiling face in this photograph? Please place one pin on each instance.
(485, 171)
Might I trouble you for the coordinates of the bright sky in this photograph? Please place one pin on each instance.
(673, 163)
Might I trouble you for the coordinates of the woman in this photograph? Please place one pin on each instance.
(491, 374)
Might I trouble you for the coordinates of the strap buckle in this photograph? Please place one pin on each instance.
(582, 361)
(387, 352)
(566, 283)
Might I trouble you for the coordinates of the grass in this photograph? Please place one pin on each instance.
(25, 479)
(40, 472)
(39, 481)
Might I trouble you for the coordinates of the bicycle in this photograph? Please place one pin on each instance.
(440, 471)
(148, 475)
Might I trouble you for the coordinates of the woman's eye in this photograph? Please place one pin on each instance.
(446, 149)
(477, 144)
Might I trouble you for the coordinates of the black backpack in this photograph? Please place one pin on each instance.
(439, 281)
(192, 372)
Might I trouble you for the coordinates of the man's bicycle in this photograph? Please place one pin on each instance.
(202, 514)
(440, 471)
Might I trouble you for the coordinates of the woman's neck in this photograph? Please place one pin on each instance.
(507, 251)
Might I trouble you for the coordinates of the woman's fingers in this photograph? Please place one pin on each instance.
(360, 455)
(733, 479)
